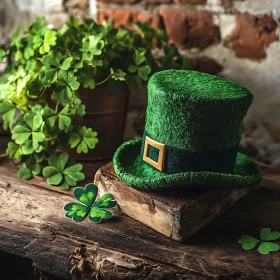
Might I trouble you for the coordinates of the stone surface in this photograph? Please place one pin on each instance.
(190, 29)
(229, 3)
(252, 35)
(78, 8)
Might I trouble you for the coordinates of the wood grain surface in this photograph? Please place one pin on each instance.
(32, 225)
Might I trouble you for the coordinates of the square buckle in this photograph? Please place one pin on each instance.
(159, 165)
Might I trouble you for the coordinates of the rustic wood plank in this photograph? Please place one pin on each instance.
(176, 212)
(32, 225)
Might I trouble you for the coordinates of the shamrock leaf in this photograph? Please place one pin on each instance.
(13, 150)
(87, 197)
(63, 120)
(29, 168)
(44, 43)
(28, 134)
(87, 77)
(24, 172)
(142, 71)
(83, 138)
(7, 110)
(53, 63)
(92, 45)
(67, 83)
(49, 117)
(248, 242)
(268, 235)
(267, 247)
(3, 53)
(76, 211)
(63, 172)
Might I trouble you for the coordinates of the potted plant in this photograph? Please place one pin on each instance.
(56, 79)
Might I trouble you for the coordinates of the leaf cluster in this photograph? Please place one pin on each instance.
(265, 244)
(39, 91)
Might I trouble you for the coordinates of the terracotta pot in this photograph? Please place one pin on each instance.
(106, 115)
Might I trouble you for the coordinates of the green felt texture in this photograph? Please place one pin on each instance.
(133, 171)
(195, 111)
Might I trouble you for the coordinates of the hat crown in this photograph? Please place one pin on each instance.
(195, 111)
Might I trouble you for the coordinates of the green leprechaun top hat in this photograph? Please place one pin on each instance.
(193, 127)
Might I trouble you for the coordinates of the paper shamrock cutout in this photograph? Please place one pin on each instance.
(265, 245)
(87, 196)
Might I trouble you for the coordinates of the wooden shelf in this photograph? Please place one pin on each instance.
(32, 225)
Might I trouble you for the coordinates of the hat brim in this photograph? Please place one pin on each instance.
(133, 171)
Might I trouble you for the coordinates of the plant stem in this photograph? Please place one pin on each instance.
(3, 155)
(56, 107)
(104, 80)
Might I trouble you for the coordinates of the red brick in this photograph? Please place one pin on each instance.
(192, 2)
(155, 20)
(252, 35)
(190, 29)
(123, 17)
(120, 17)
(206, 65)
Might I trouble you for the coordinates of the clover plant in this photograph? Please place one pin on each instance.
(39, 90)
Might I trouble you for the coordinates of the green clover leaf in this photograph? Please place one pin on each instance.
(142, 71)
(53, 62)
(28, 133)
(268, 235)
(67, 83)
(44, 44)
(83, 138)
(87, 77)
(13, 150)
(3, 54)
(248, 242)
(29, 168)
(7, 110)
(93, 45)
(63, 172)
(87, 197)
(63, 120)
(267, 247)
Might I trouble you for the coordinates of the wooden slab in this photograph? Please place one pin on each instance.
(32, 225)
(176, 212)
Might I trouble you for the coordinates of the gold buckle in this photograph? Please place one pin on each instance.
(159, 165)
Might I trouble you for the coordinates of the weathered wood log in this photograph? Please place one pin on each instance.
(176, 212)
(32, 225)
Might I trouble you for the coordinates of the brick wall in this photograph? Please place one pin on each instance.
(236, 39)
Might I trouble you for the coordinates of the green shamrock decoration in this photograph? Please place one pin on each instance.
(63, 172)
(87, 196)
(265, 245)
